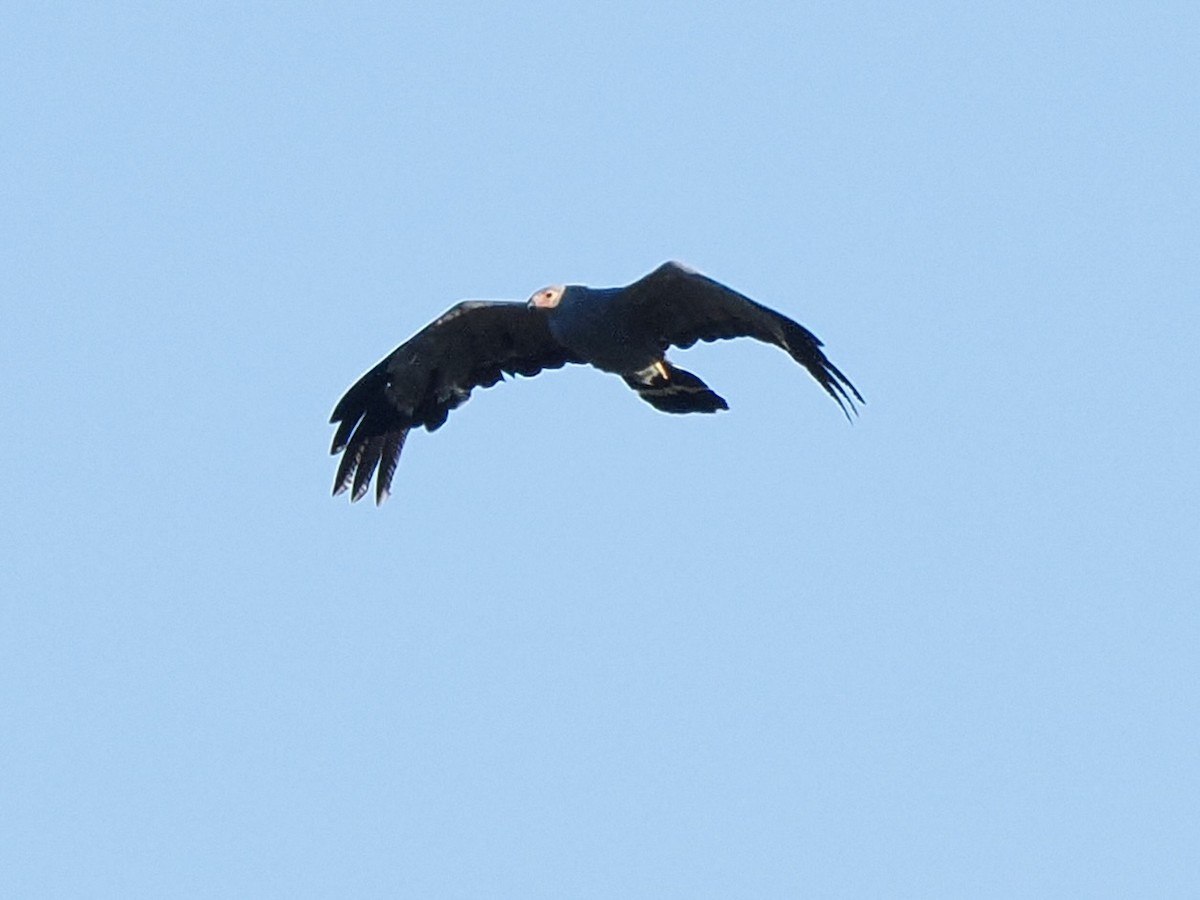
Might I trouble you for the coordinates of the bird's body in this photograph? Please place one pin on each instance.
(593, 324)
(626, 331)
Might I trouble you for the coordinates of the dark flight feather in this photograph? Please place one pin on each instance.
(680, 307)
(474, 344)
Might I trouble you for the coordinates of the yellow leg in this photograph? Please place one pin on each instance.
(661, 368)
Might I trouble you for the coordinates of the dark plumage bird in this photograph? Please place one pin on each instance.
(623, 330)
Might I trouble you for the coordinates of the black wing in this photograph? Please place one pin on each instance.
(475, 344)
(680, 306)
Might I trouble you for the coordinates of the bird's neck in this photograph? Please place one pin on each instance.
(580, 311)
(576, 296)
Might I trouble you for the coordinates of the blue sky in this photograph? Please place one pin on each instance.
(587, 649)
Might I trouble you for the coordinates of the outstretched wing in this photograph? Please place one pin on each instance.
(680, 306)
(474, 344)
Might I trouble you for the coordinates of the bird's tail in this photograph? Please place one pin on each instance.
(674, 390)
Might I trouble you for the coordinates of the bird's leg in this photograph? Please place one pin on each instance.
(660, 367)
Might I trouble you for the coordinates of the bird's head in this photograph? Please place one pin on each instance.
(547, 297)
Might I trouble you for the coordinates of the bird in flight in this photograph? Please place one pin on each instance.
(624, 330)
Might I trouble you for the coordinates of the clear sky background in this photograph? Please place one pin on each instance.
(588, 649)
